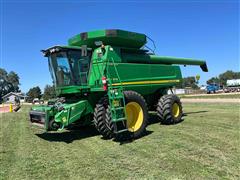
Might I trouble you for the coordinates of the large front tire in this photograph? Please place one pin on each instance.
(169, 109)
(136, 114)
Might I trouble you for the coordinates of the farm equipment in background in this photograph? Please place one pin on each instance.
(37, 101)
(233, 85)
(109, 78)
(212, 88)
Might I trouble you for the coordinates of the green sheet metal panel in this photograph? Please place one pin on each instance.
(114, 37)
(145, 78)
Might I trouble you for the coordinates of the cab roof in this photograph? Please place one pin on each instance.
(58, 48)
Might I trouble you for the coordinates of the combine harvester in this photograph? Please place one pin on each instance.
(106, 77)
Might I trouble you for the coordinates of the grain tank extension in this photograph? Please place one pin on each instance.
(108, 78)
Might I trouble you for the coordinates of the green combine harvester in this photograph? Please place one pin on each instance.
(108, 78)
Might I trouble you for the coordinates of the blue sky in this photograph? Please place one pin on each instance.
(203, 30)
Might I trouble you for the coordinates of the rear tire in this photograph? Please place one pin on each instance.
(100, 118)
(169, 109)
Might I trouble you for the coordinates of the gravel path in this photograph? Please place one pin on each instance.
(217, 94)
(216, 100)
(5, 109)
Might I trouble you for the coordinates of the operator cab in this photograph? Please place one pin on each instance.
(69, 66)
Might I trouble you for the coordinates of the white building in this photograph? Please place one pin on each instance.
(10, 97)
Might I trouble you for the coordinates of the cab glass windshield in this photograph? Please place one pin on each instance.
(69, 68)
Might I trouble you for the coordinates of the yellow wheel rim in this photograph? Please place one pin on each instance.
(134, 116)
(175, 110)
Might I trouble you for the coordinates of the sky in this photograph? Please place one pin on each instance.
(207, 30)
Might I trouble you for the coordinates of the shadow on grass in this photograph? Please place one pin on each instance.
(78, 133)
(71, 135)
(127, 141)
(195, 112)
(124, 138)
(153, 119)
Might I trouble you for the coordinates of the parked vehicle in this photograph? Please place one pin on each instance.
(37, 101)
(212, 88)
(233, 85)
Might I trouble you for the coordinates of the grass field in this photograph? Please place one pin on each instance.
(204, 146)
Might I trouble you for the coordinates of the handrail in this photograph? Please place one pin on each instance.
(116, 71)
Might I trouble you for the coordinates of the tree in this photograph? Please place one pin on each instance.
(188, 82)
(9, 82)
(4, 89)
(34, 92)
(228, 75)
(49, 92)
(13, 78)
(213, 80)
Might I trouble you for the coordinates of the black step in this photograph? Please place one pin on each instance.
(120, 119)
(117, 108)
(116, 97)
(121, 131)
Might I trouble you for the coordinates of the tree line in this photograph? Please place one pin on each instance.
(35, 92)
(9, 82)
(221, 79)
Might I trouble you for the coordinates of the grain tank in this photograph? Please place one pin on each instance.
(108, 78)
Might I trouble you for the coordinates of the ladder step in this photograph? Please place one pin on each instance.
(120, 119)
(121, 131)
(117, 108)
(119, 126)
(116, 97)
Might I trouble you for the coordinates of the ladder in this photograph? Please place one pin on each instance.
(117, 102)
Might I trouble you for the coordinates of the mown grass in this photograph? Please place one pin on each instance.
(204, 146)
(212, 96)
